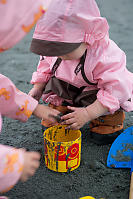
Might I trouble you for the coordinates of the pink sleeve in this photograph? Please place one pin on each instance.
(14, 103)
(43, 72)
(11, 166)
(114, 82)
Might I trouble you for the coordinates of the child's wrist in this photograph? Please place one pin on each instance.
(96, 110)
(37, 112)
(40, 86)
(90, 115)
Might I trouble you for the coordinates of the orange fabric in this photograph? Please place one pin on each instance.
(108, 124)
(62, 109)
(24, 110)
(5, 93)
(36, 17)
(3, 1)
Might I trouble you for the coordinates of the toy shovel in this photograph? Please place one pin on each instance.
(121, 154)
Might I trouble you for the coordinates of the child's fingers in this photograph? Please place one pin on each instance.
(56, 118)
(31, 172)
(69, 121)
(35, 155)
(33, 167)
(55, 111)
(24, 179)
(72, 126)
(67, 116)
(72, 108)
(35, 164)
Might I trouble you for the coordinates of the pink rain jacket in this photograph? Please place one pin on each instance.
(105, 64)
(17, 17)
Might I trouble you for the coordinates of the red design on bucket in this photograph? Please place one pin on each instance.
(73, 154)
(73, 151)
(60, 154)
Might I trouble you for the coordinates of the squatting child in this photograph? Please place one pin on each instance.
(81, 71)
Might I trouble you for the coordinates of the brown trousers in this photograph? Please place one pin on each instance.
(103, 125)
(108, 124)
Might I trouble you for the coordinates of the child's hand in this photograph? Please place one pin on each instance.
(36, 91)
(76, 119)
(46, 113)
(31, 164)
(80, 116)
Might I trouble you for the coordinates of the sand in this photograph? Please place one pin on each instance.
(92, 178)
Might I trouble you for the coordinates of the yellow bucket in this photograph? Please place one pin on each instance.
(62, 148)
(87, 197)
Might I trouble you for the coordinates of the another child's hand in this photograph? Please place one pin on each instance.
(36, 91)
(31, 164)
(77, 118)
(46, 113)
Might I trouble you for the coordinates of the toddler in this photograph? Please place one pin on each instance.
(81, 71)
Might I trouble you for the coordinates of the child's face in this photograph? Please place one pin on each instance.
(76, 54)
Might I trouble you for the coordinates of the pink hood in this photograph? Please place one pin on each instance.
(65, 17)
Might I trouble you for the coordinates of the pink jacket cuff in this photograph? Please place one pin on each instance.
(14, 103)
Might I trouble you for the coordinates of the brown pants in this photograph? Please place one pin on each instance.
(103, 125)
(108, 124)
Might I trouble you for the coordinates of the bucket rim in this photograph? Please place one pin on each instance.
(53, 141)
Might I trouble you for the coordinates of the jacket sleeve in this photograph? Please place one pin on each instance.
(17, 18)
(14, 103)
(11, 166)
(43, 72)
(114, 80)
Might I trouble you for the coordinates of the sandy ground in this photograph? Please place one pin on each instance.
(92, 178)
